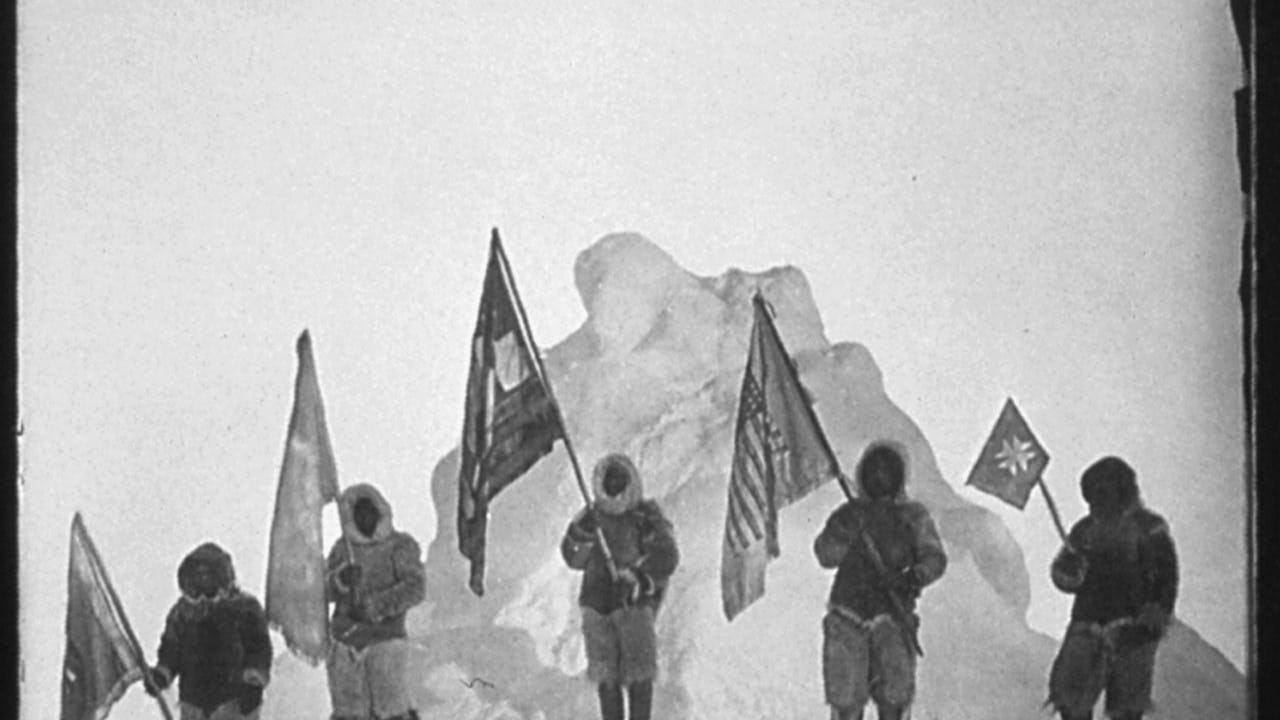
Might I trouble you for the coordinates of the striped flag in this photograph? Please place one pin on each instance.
(1012, 460)
(295, 598)
(103, 657)
(779, 456)
(510, 421)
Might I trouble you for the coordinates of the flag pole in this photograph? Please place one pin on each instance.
(1053, 510)
(118, 609)
(164, 706)
(551, 395)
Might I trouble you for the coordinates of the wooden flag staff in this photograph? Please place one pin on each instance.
(1053, 510)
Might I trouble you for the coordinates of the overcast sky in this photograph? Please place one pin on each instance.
(1034, 199)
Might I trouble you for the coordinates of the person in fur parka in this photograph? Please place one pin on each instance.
(215, 642)
(864, 653)
(375, 574)
(1120, 563)
(618, 612)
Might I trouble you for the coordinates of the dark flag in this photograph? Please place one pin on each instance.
(102, 657)
(510, 421)
(1012, 460)
(779, 456)
(295, 599)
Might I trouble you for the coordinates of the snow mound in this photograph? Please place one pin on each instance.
(654, 372)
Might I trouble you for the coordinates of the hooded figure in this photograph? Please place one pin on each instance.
(1121, 565)
(375, 575)
(864, 653)
(618, 611)
(215, 642)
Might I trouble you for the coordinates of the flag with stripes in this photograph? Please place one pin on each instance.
(779, 455)
(102, 657)
(510, 421)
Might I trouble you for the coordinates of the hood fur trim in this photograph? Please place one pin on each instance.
(629, 497)
(212, 556)
(346, 511)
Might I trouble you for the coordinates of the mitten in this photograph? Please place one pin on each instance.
(583, 528)
(157, 680)
(250, 697)
(1153, 619)
(1069, 570)
(349, 576)
(627, 586)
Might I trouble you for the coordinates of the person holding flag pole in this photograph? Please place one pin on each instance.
(619, 607)
(1119, 561)
(512, 420)
(885, 549)
(215, 642)
(375, 576)
(372, 575)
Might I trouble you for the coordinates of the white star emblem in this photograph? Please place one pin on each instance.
(1015, 456)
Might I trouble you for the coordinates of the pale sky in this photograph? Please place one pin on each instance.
(1035, 199)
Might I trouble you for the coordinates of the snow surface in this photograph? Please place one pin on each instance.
(654, 372)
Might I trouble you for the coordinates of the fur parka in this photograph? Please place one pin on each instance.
(903, 532)
(639, 537)
(392, 576)
(214, 646)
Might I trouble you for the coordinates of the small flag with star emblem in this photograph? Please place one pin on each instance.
(1012, 460)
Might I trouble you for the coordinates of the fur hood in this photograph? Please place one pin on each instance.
(212, 556)
(346, 511)
(629, 498)
(900, 495)
(1110, 486)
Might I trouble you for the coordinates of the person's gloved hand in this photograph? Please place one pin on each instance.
(633, 585)
(349, 575)
(1131, 634)
(157, 680)
(905, 583)
(583, 527)
(1069, 570)
(250, 697)
(1153, 619)
(626, 586)
(1073, 563)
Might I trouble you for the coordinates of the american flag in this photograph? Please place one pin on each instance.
(510, 421)
(752, 514)
(779, 456)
